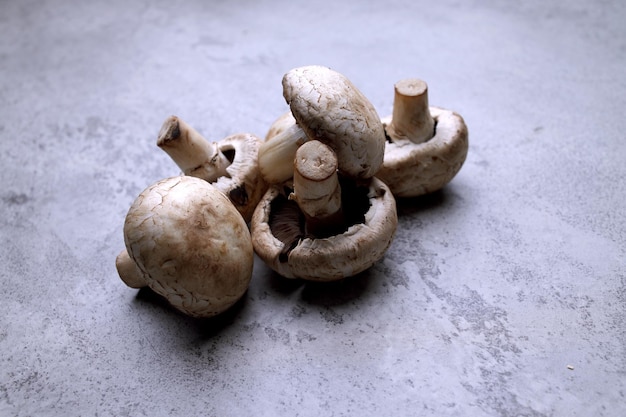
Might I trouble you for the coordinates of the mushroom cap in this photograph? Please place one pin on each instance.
(244, 184)
(282, 123)
(334, 257)
(329, 108)
(191, 244)
(414, 169)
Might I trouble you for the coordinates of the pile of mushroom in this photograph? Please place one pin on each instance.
(315, 200)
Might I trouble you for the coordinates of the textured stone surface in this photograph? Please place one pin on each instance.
(491, 290)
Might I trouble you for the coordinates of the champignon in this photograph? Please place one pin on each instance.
(231, 164)
(282, 123)
(427, 145)
(323, 226)
(186, 241)
(327, 107)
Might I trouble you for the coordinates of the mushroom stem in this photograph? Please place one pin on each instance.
(317, 190)
(276, 155)
(411, 118)
(128, 271)
(194, 155)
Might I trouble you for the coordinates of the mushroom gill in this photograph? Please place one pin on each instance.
(288, 224)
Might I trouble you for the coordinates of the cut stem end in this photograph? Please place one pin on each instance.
(316, 188)
(193, 154)
(411, 118)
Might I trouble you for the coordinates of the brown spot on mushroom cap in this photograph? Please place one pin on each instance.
(191, 244)
(414, 169)
(329, 108)
(366, 238)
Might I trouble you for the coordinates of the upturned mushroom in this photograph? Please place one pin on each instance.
(327, 107)
(186, 241)
(231, 164)
(323, 226)
(427, 145)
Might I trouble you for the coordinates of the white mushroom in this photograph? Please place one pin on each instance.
(327, 107)
(324, 227)
(411, 119)
(231, 164)
(187, 242)
(282, 123)
(427, 145)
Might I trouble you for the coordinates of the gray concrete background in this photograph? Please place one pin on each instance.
(491, 292)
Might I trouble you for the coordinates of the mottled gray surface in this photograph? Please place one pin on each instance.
(491, 292)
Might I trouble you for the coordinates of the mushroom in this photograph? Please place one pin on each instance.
(327, 107)
(427, 145)
(284, 122)
(231, 164)
(187, 242)
(323, 226)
